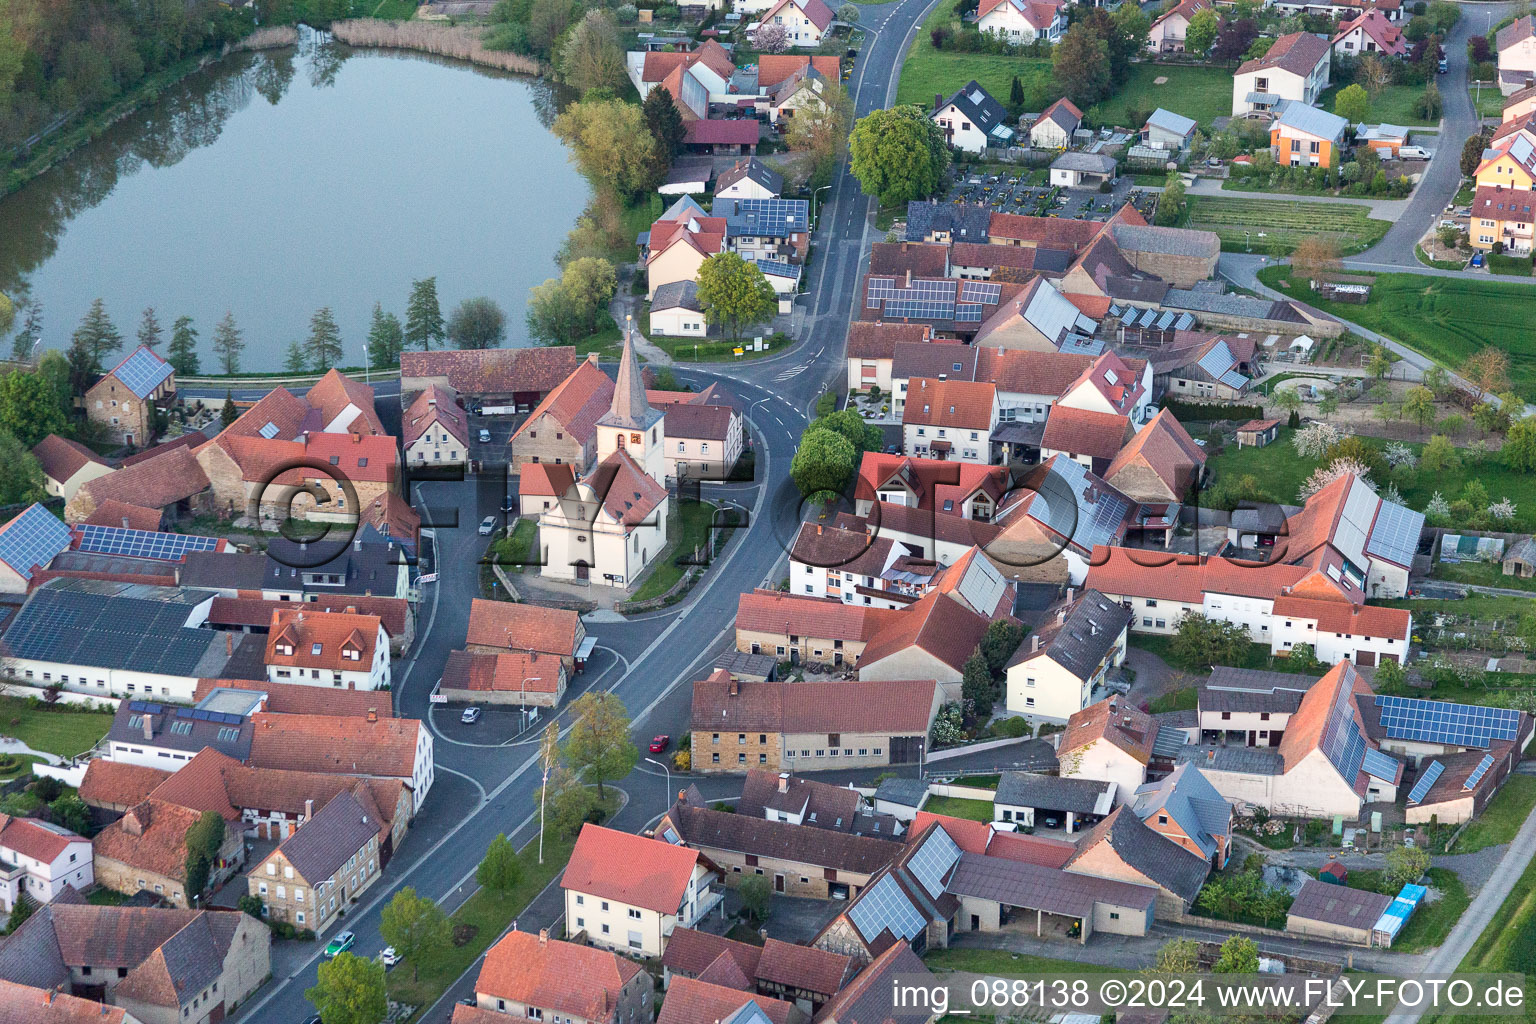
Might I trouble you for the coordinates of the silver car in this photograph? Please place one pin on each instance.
(487, 526)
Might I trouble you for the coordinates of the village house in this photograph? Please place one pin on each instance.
(950, 419)
(750, 178)
(803, 975)
(1169, 28)
(524, 679)
(487, 380)
(1369, 32)
(1110, 741)
(146, 851)
(1168, 131)
(1028, 800)
(872, 348)
(1088, 437)
(39, 859)
(123, 401)
(627, 893)
(940, 359)
(930, 640)
(562, 429)
(703, 442)
(1304, 136)
(1124, 848)
(1055, 671)
(48, 1006)
(780, 796)
(722, 997)
(1294, 70)
(67, 464)
(1161, 463)
(801, 629)
(966, 490)
(1503, 217)
(29, 541)
(370, 748)
(1516, 49)
(497, 626)
(972, 119)
(1054, 128)
(677, 312)
(170, 481)
(435, 430)
(534, 977)
(738, 724)
(765, 230)
(1509, 162)
(1022, 21)
(1185, 807)
(804, 21)
(316, 872)
(345, 650)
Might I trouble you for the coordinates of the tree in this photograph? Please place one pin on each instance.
(976, 683)
(1429, 104)
(851, 424)
(898, 155)
(999, 642)
(1177, 956)
(1202, 31)
(1353, 104)
(1171, 204)
(823, 465)
(1487, 370)
(294, 360)
(1519, 449)
(1316, 257)
(1328, 402)
(550, 317)
(22, 482)
(1438, 455)
(665, 122)
(610, 143)
(1419, 406)
(589, 284)
(1374, 74)
(1491, 418)
(416, 927)
(29, 407)
(1239, 955)
(70, 811)
(30, 333)
(756, 897)
(821, 128)
(203, 840)
(7, 314)
(20, 911)
(1389, 674)
(477, 323)
(1199, 642)
(1259, 48)
(1080, 66)
(385, 337)
(598, 746)
(848, 13)
(228, 343)
(182, 352)
(1288, 399)
(1134, 27)
(1405, 866)
(500, 871)
(150, 331)
(590, 57)
(1322, 476)
(1472, 154)
(771, 38)
(1437, 380)
(349, 990)
(547, 22)
(94, 339)
(323, 346)
(734, 293)
(568, 801)
(1016, 94)
(1235, 39)
(423, 316)
(227, 412)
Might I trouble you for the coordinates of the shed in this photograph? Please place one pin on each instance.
(1336, 913)
(1397, 914)
(1076, 169)
(1333, 873)
(1520, 558)
(1167, 130)
(1258, 433)
(900, 797)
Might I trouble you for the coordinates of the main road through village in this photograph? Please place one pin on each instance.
(487, 777)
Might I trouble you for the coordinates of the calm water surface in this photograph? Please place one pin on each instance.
(277, 183)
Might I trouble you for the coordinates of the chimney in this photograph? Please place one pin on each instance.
(1034, 643)
(735, 690)
(1071, 592)
(48, 998)
(133, 823)
(783, 782)
(309, 809)
(909, 277)
(149, 727)
(1061, 616)
(543, 936)
(357, 544)
(357, 438)
(229, 644)
(818, 529)
(592, 358)
(125, 523)
(373, 714)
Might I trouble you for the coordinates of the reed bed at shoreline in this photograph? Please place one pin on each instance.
(270, 38)
(461, 42)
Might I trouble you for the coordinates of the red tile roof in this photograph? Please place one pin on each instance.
(156, 483)
(298, 699)
(334, 392)
(774, 68)
(1305, 729)
(1349, 619)
(545, 479)
(806, 967)
(1127, 572)
(815, 11)
(1128, 728)
(120, 513)
(740, 132)
(878, 340)
(1020, 371)
(503, 672)
(1165, 448)
(707, 234)
(118, 784)
(553, 975)
(938, 624)
(630, 496)
(780, 614)
(512, 626)
(39, 840)
(280, 407)
(963, 404)
(1085, 432)
(24, 1004)
(434, 405)
(492, 370)
(576, 403)
(337, 641)
(712, 55)
(1073, 234)
(897, 706)
(393, 517)
(980, 837)
(63, 457)
(921, 259)
(151, 836)
(328, 743)
(937, 485)
(706, 422)
(627, 868)
(1298, 53)
(690, 952)
(189, 439)
(690, 1001)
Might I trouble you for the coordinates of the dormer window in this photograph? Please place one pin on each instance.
(285, 649)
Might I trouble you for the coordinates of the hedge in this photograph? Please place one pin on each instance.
(1186, 411)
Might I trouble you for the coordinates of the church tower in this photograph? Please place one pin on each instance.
(630, 423)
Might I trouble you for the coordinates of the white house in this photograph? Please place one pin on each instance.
(1022, 21)
(748, 178)
(1056, 124)
(1110, 741)
(344, 650)
(1111, 385)
(804, 21)
(1295, 70)
(1516, 46)
(627, 892)
(676, 311)
(38, 859)
(1053, 674)
(1169, 29)
(950, 419)
(972, 120)
(67, 464)
(434, 431)
(1370, 32)
(1078, 170)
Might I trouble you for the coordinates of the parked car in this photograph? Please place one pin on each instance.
(1445, 65)
(1414, 153)
(389, 957)
(485, 436)
(659, 744)
(470, 716)
(340, 944)
(487, 526)
(1477, 259)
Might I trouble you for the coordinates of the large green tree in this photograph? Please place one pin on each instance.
(1199, 642)
(416, 927)
(22, 482)
(93, 341)
(1519, 450)
(665, 122)
(898, 155)
(500, 871)
(150, 331)
(29, 407)
(1239, 955)
(591, 57)
(349, 990)
(864, 436)
(598, 746)
(203, 840)
(1202, 31)
(1080, 64)
(228, 343)
(823, 465)
(999, 642)
(1353, 104)
(182, 351)
(423, 315)
(28, 333)
(386, 339)
(610, 142)
(735, 294)
(323, 346)
(477, 323)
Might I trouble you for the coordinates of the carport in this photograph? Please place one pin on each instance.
(997, 895)
(1029, 799)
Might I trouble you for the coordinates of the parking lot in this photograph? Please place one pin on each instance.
(1014, 194)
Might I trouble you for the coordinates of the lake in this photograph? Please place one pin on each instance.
(275, 183)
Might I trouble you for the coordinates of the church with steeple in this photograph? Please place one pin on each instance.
(612, 522)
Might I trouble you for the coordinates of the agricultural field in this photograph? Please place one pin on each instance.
(1444, 318)
(1283, 223)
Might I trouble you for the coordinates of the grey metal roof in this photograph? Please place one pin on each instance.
(1092, 163)
(1395, 534)
(116, 626)
(1171, 122)
(1077, 635)
(336, 832)
(965, 221)
(1170, 241)
(1266, 98)
(1188, 798)
(1248, 760)
(904, 791)
(1338, 904)
(224, 571)
(1053, 793)
(1036, 887)
(1053, 314)
(1255, 690)
(677, 295)
(1204, 301)
(1313, 121)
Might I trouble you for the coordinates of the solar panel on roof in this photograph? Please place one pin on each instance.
(142, 372)
(914, 309)
(1478, 772)
(967, 314)
(883, 907)
(32, 539)
(118, 540)
(1434, 721)
(980, 291)
(1422, 787)
(1395, 534)
(933, 861)
(1217, 361)
(1379, 766)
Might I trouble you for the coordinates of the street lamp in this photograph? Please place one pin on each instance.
(666, 797)
(814, 208)
(523, 696)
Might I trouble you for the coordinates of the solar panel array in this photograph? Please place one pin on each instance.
(980, 291)
(771, 216)
(32, 539)
(96, 623)
(1082, 509)
(118, 540)
(1342, 743)
(883, 907)
(881, 288)
(968, 314)
(778, 269)
(1427, 780)
(918, 310)
(142, 372)
(1436, 721)
(1478, 772)
(933, 860)
(1395, 534)
(1380, 766)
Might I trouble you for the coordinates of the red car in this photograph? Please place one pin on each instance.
(659, 744)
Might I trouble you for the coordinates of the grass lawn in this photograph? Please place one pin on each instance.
(605, 341)
(1002, 963)
(1509, 266)
(65, 733)
(391, 10)
(1281, 472)
(1508, 944)
(1424, 258)
(929, 72)
(1258, 657)
(958, 807)
(22, 766)
(513, 552)
(1394, 105)
(688, 528)
(1186, 699)
(703, 350)
(1198, 92)
(488, 914)
(1432, 922)
(1489, 101)
(1284, 223)
(1445, 318)
(1503, 817)
(1482, 574)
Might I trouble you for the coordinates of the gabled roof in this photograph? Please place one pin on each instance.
(329, 839)
(822, 804)
(776, 613)
(1055, 792)
(1114, 721)
(493, 370)
(900, 707)
(844, 550)
(141, 371)
(963, 404)
(691, 1001)
(775, 68)
(867, 999)
(1327, 720)
(520, 626)
(576, 403)
(984, 111)
(63, 457)
(868, 340)
(1188, 797)
(434, 405)
(940, 359)
(629, 495)
(675, 295)
(1085, 432)
(1024, 372)
(733, 132)
(153, 483)
(1154, 856)
(1164, 447)
(966, 222)
(752, 168)
(344, 404)
(1375, 24)
(120, 513)
(983, 837)
(690, 952)
(151, 836)
(502, 672)
(1064, 113)
(815, 11)
(31, 539)
(1309, 120)
(1124, 572)
(1168, 121)
(322, 640)
(563, 977)
(630, 869)
(118, 783)
(27, 1004)
(706, 422)
(707, 829)
(937, 624)
(897, 259)
(1298, 53)
(1517, 31)
(385, 748)
(32, 837)
(1076, 634)
(298, 699)
(279, 414)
